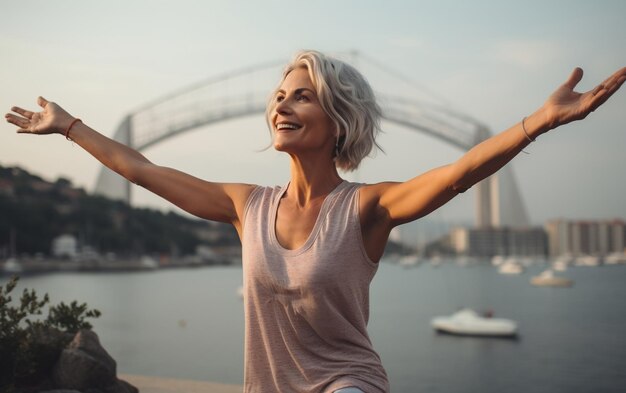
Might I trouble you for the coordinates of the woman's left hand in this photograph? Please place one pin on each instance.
(566, 105)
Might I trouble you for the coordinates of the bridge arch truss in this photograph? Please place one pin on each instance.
(245, 92)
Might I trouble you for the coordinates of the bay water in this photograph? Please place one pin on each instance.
(188, 323)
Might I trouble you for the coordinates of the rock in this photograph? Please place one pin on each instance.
(85, 364)
(85, 367)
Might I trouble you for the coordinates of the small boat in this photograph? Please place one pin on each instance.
(497, 260)
(148, 263)
(559, 265)
(528, 262)
(12, 266)
(587, 260)
(510, 266)
(548, 279)
(436, 261)
(615, 258)
(410, 260)
(467, 322)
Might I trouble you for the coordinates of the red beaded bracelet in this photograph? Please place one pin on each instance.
(67, 133)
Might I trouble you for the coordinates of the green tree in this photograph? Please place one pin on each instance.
(30, 346)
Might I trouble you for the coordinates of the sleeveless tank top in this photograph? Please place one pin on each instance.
(306, 310)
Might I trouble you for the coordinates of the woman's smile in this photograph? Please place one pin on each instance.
(286, 126)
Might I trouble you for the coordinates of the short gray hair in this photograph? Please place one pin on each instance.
(347, 98)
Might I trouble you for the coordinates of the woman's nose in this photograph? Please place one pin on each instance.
(283, 106)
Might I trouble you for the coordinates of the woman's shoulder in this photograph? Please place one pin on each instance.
(373, 190)
(371, 199)
(260, 193)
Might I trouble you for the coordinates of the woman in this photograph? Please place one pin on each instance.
(311, 248)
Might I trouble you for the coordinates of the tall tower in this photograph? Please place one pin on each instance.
(487, 195)
(109, 183)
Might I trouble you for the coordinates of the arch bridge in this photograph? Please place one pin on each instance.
(244, 92)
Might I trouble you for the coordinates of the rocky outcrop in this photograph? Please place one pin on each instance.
(85, 367)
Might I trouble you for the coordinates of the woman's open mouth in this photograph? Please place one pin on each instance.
(287, 126)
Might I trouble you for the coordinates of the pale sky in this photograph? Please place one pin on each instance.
(494, 60)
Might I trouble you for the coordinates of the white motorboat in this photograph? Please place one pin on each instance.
(510, 266)
(497, 260)
(12, 266)
(615, 258)
(559, 265)
(467, 322)
(148, 263)
(548, 279)
(587, 260)
(410, 260)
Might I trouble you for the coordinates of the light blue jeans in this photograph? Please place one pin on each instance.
(351, 389)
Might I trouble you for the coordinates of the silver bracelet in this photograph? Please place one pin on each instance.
(526, 132)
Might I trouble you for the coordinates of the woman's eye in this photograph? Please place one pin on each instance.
(302, 98)
(279, 98)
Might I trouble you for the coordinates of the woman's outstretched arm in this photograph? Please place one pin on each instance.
(397, 203)
(222, 202)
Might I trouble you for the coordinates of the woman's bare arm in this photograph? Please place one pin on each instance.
(222, 202)
(396, 203)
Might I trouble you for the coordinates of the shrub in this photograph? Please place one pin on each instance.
(30, 345)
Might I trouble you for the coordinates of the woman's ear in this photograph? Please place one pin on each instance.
(340, 141)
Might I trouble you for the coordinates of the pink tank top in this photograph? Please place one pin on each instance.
(306, 310)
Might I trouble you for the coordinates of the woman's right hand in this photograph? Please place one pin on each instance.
(566, 105)
(52, 119)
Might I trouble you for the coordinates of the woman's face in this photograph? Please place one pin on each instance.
(298, 121)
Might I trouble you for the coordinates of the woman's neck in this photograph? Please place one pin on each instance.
(311, 180)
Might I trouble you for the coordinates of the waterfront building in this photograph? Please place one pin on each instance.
(586, 237)
(65, 246)
(505, 241)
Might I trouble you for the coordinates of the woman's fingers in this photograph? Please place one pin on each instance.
(596, 90)
(23, 112)
(42, 102)
(18, 121)
(610, 84)
(601, 93)
(29, 122)
(617, 84)
(611, 80)
(574, 78)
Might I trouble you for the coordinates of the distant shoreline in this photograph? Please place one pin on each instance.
(34, 266)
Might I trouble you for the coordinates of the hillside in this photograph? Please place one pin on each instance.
(34, 211)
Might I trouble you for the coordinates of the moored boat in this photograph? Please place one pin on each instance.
(411, 260)
(615, 258)
(12, 266)
(588, 260)
(559, 265)
(548, 279)
(510, 266)
(467, 322)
